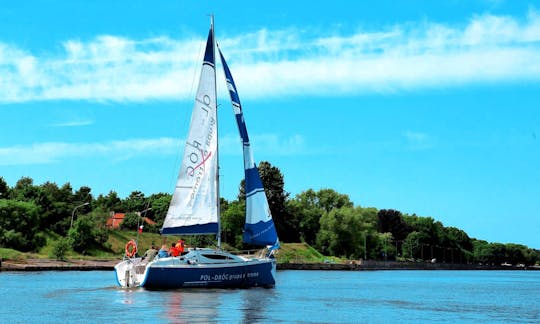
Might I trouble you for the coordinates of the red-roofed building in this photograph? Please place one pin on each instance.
(116, 219)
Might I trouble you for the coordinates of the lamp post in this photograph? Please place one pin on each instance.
(73, 212)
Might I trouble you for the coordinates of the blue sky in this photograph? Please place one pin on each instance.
(428, 107)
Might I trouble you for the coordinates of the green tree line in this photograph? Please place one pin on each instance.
(325, 219)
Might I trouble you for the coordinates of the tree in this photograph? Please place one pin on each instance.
(391, 221)
(135, 202)
(308, 207)
(382, 247)
(4, 189)
(131, 221)
(19, 225)
(232, 223)
(87, 233)
(56, 206)
(532, 257)
(459, 240)
(110, 202)
(413, 244)
(434, 237)
(489, 253)
(83, 194)
(515, 253)
(343, 231)
(160, 204)
(24, 190)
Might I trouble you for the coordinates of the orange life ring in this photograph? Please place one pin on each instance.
(131, 248)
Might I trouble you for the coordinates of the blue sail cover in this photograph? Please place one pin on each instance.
(259, 228)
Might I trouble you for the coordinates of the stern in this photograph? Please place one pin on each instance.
(130, 273)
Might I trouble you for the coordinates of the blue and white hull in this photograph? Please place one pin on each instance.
(198, 268)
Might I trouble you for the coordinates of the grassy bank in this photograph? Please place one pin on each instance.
(114, 249)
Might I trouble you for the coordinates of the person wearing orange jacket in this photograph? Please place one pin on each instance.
(181, 246)
(174, 251)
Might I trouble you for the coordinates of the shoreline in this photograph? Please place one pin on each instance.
(104, 265)
(55, 265)
(395, 265)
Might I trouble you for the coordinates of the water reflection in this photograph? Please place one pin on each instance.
(185, 306)
(255, 304)
(174, 307)
(127, 296)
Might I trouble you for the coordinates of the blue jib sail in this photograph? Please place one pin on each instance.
(259, 228)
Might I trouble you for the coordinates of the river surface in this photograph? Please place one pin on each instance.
(299, 297)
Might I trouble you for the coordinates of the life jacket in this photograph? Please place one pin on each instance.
(180, 246)
(174, 251)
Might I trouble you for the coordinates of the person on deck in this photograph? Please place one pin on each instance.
(150, 254)
(163, 252)
(181, 246)
(174, 250)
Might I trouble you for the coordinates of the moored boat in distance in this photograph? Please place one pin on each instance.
(194, 208)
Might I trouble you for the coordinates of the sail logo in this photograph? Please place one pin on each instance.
(201, 146)
(194, 158)
(268, 228)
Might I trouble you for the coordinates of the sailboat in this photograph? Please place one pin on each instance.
(194, 208)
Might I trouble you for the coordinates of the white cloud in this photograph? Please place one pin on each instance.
(51, 152)
(74, 123)
(282, 62)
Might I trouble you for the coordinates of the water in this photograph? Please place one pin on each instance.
(299, 297)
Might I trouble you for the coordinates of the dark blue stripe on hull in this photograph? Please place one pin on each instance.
(244, 275)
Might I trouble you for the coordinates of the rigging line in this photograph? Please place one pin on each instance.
(181, 141)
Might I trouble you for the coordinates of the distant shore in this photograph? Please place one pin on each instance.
(89, 265)
(394, 265)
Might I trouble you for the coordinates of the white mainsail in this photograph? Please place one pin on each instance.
(194, 205)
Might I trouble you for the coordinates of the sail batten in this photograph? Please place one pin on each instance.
(259, 228)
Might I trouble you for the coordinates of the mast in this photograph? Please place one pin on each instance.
(218, 202)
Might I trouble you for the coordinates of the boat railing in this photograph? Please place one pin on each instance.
(253, 253)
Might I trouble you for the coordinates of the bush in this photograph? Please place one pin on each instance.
(87, 233)
(60, 249)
